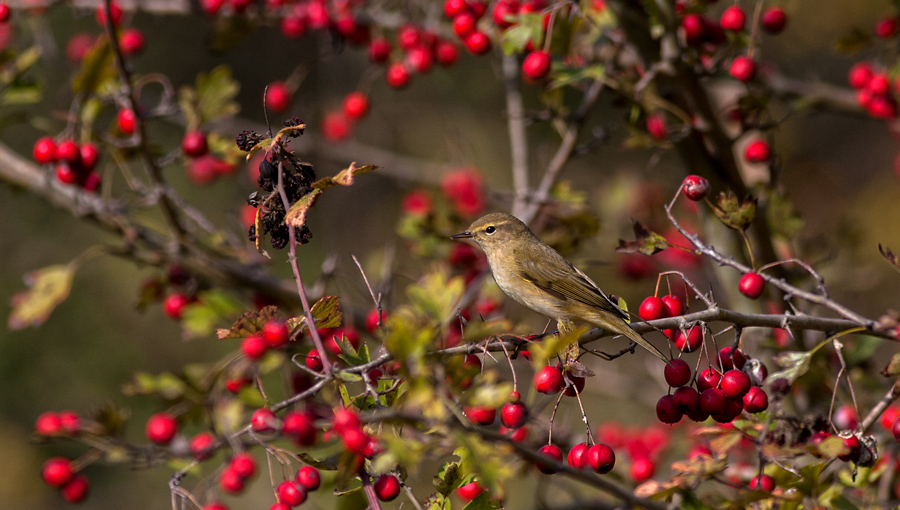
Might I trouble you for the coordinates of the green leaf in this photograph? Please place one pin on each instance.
(893, 367)
(437, 502)
(483, 502)
(228, 415)
(96, 71)
(47, 288)
(211, 98)
(326, 312)
(733, 213)
(249, 323)
(783, 219)
(437, 296)
(528, 28)
(794, 363)
(199, 318)
(446, 478)
(21, 94)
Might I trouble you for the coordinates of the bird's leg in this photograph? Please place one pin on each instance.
(571, 352)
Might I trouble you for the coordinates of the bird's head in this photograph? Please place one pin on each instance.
(496, 230)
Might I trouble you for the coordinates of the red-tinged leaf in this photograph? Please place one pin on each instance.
(646, 242)
(48, 287)
(734, 213)
(296, 216)
(249, 324)
(892, 258)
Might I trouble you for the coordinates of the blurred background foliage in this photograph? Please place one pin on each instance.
(838, 169)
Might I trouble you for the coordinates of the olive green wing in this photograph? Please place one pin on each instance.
(563, 280)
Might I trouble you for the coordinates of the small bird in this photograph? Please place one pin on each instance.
(538, 277)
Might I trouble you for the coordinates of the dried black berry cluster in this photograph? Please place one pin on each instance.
(297, 178)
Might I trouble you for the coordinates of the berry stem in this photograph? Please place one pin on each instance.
(553, 417)
(292, 256)
(376, 299)
(584, 419)
(749, 249)
(511, 367)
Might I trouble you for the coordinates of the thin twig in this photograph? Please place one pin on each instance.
(518, 140)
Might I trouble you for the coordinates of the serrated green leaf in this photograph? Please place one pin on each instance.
(528, 28)
(326, 312)
(483, 502)
(322, 465)
(437, 502)
(211, 98)
(783, 219)
(447, 478)
(249, 324)
(47, 288)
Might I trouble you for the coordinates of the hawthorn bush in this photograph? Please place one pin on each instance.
(284, 355)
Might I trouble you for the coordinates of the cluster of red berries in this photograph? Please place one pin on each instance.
(419, 49)
(74, 163)
(701, 32)
(60, 473)
(874, 90)
(721, 395)
(653, 308)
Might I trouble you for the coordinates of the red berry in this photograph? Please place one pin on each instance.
(91, 182)
(214, 505)
(354, 440)
(690, 341)
(536, 65)
(76, 490)
(763, 483)
(601, 458)
(656, 126)
(299, 426)
(576, 387)
(464, 24)
(886, 28)
(577, 457)
(549, 380)
(44, 150)
(674, 306)
(317, 15)
(480, 415)
(345, 419)
(773, 20)
(114, 9)
(469, 491)
(397, 75)
(888, 418)
(503, 11)
(751, 285)
(231, 482)
(48, 424)
(513, 415)
(131, 41)
(379, 50)
(193, 144)
(446, 53)
(742, 68)
(254, 347)
(757, 152)
(882, 107)
(667, 411)
(713, 401)
(478, 7)
(278, 97)
(291, 493)
(275, 333)
(708, 378)
(694, 27)
(652, 308)
(57, 471)
(695, 187)
(845, 417)
(203, 445)
(90, 155)
(314, 362)
(419, 59)
(293, 27)
(387, 487)
(356, 105)
(239, 6)
(70, 422)
(756, 400)
(244, 465)
(211, 7)
(4, 12)
(68, 151)
(879, 84)
(309, 477)
(264, 421)
(728, 360)
(126, 121)
(66, 174)
(677, 373)
(161, 428)
(852, 448)
(686, 399)
(860, 75)
(733, 18)
(477, 43)
(335, 126)
(409, 36)
(551, 452)
(735, 383)
(455, 7)
(642, 468)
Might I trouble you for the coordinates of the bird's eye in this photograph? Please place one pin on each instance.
(491, 229)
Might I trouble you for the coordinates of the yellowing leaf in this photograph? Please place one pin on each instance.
(437, 296)
(296, 216)
(48, 287)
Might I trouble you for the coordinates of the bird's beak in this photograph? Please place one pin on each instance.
(463, 235)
